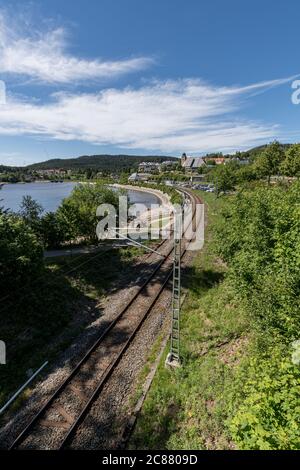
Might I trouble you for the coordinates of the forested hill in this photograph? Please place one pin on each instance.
(255, 151)
(99, 162)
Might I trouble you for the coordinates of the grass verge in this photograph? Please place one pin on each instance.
(188, 408)
(239, 384)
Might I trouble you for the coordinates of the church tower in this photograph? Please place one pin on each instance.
(183, 159)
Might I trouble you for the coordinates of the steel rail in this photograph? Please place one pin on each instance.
(22, 436)
(110, 369)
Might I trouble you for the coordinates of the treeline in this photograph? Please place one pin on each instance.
(81, 168)
(259, 239)
(109, 163)
(13, 175)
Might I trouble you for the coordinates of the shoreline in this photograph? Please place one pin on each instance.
(164, 198)
(163, 202)
(154, 214)
(37, 181)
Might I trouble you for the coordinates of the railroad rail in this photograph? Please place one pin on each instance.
(56, 422)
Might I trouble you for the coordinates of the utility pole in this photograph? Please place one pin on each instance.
(173, 358)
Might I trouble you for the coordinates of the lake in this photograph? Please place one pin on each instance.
(50, 195)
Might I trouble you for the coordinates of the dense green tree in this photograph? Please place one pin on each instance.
(21, 253)
(268, 162)
(291, 164)
(246, 173)
(77, 213)
(224, 177)
(52, 230)
(260, 239)
(30, 211)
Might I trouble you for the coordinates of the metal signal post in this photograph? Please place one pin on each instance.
(173, 358)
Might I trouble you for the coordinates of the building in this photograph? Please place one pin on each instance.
(169, 182)
(168, 164)
(197, 178)
(53, 172)
(244, 161)
(138, 177)
(214, 160)
(149, 167)
(191, 164)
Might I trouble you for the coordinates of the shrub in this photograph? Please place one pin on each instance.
(52, 230)
(77, 213)
(268, 416)
(260, 239)
(21, 254)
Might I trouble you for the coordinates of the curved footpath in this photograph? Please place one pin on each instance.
(164, 198)
(165, 208)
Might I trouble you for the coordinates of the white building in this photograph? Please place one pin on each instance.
(138, 177)
(149, 167)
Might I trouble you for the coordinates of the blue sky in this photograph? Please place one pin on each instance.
(146, 77)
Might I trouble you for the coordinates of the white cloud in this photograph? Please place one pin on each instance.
(170, 116)
(43, 56)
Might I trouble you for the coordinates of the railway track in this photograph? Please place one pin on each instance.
(55, 424)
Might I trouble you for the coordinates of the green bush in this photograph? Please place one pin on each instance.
(260, 239)
(77, 213)
(21, 254)
(291, 164)
(269, 413)
(52, 230)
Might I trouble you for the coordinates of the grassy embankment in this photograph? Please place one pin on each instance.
(186, 408)
(238, 387)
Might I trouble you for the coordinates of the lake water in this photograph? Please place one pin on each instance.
(50, 195)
